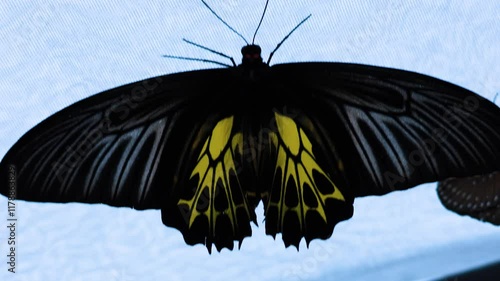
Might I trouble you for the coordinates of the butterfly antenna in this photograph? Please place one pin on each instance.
(286, 37)
(196, 59)
(210, 50)
(260, 22)
(495, 98)
(203, 60)
(225, 23)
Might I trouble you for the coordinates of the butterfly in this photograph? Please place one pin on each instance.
(205, 147)
(477, 196)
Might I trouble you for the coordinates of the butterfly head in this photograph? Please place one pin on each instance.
(251, 55)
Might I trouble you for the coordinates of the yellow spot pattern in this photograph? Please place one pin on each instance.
(297, 162)
(215, 165)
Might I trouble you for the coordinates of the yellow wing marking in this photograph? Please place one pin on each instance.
(215, 166)
(297, 163)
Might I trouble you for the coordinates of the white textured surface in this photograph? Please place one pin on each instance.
(57, 52)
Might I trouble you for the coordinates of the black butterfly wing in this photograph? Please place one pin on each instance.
(62, 158)
(308, 194)
(477, 196)
(395, 129)
(136, 146)
(215, 201)
(85, 152)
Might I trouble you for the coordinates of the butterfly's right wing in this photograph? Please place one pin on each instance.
(396, 129)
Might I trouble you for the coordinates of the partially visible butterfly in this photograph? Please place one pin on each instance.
(207, 146)
(477, 196)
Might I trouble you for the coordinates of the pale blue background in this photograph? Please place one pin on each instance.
(54, 53)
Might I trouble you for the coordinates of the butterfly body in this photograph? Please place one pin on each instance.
(207, 146)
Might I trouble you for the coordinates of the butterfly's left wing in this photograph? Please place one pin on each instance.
(395, 129)
(167, 143)
(477, 196)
